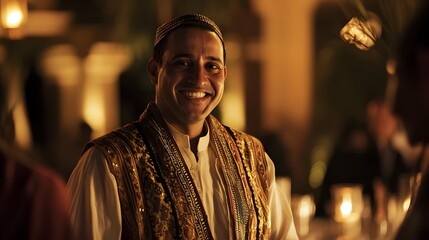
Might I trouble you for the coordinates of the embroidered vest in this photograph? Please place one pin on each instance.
(157, 194)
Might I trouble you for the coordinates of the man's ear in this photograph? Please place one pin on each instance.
(153, 69)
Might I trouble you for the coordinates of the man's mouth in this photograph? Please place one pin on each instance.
(194, 95)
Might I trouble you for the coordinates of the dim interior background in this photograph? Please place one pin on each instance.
(77, 70)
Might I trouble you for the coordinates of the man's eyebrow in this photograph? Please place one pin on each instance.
(180, 55)
(215, 59)
(186, 55)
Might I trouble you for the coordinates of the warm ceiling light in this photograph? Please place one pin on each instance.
(13, 13)
(14, 19)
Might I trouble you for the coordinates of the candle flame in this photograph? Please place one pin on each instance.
(346, 207)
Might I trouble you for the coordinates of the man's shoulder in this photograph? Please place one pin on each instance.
(125, 135)
(241, 134)
(123, 131)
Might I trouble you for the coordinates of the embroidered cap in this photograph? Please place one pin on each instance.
(196, 20)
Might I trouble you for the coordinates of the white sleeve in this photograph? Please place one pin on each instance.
(282, 225)
(95, 207)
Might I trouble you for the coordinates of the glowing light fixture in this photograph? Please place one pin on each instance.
(362, 33)
(13, 16)
(13, 13)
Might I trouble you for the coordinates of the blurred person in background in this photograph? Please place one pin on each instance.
(395, 156)
(412, 107)
(34, 202)
(177, 172)
(369, 154)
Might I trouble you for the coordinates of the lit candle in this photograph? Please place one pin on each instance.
(348, 202)
(346, 206)
(303, 209)
(347, 209)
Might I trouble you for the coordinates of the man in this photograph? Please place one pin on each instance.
(412, 106)
(177, 172)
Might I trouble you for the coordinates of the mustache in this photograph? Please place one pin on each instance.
(193, 87)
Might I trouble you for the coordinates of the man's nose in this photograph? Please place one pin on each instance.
(199, 76)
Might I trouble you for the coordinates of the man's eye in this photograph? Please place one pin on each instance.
(182, 63)
(213, 67)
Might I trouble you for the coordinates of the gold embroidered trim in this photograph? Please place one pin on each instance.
(256, 167)
(238, 202)
(124, 168)
(181, 172)
(252, 166)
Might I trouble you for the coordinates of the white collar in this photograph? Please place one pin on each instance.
(183, 140)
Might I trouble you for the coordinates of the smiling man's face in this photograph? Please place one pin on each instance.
(190, 80)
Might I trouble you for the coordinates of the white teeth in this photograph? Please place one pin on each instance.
(194, 94)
